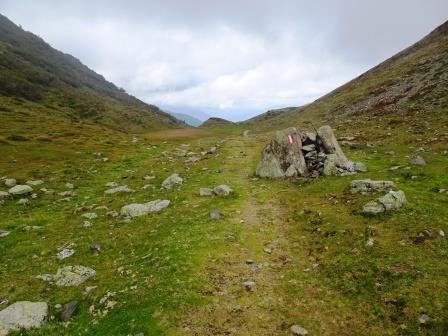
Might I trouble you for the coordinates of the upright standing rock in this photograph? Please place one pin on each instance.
(331, 146)
(283, 156)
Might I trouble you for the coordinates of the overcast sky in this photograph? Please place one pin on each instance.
(233, 58)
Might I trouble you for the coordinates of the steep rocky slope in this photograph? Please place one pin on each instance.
(416, 79)
(41, 82)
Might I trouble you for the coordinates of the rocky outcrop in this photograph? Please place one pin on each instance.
(364, 186)
(283, 156)
(69, 275)
(291, 154)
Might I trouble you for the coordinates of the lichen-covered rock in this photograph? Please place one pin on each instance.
(391, 201)
(69, 275)
(4, 194)
(368, 185)
(23, 315)
(20, 189)
(136, 210)
(205, 192)
(283, 157)
(418, 161)
(119, 189)
(10, 182)
(330, 167)
(171, 181)
(359, 167)
(222, 190)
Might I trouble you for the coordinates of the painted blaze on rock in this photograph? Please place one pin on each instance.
(283, 157)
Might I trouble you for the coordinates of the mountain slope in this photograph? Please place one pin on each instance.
(414, 79)
(32, 73)
(188, 119)
(214, 122)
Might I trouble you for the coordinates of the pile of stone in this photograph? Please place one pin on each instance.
(292, 154)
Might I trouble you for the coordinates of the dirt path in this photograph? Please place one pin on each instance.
(260, 256)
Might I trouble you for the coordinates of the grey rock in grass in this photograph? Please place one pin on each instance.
(111, 184)
(69, 275)
(215, 214)
(222, 190)
(23, 315)
(367, 185)
(298, 330)
(23, 201)
(68, 193)
(90, 215)
(359, 167)
(65, 253)
(172, 180)
(249, 285)
(4, 194)
(120, 189)
(330, 165)
(391, 201)
(20, 189)
(4, 233)
(282, 156)
(205, 192)
(418, 161)
(67, 311)
(69, 186)
(136, 210)
(34, 182)
(10, 182)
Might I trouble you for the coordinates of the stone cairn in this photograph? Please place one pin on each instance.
(292, 154)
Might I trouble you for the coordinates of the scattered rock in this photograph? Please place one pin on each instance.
(112, 214)
(90, 215)
(171, 181)
(65, 253)
(69, 275)
(10, 182)
(4, 194)
(391, 201)
(298, 330)
(441, 233)
(135, 210)
(23, 315)
(370, 242)
(31, 228)
(222, 190)
(95, 248)
(67, 311)
(68, 193)
(423, 318)
(368, 185)
(120, 189)
(360, 167)
(4, 233)
(23, 201)
(34, 182)
(391, 153)
(20, 189)
(215, 214)
(418, 161)
(111, 184)
(249, 285)
(86, 224)
(267, 250)
(69, 186)
(205, 192)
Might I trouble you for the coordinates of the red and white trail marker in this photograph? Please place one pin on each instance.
(290, 138)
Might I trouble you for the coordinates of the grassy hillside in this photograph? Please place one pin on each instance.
(413, 81)
(43, 83)
(215, 122)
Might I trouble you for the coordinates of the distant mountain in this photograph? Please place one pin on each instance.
(188, 119)
(215, 122)
(415, 79)
(33, 73)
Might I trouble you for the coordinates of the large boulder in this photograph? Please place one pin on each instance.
(136, 210)
(283, 156)
(23, 315)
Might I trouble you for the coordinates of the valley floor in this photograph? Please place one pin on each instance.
(282, 253)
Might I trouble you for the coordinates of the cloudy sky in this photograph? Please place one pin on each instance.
(233, 58)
